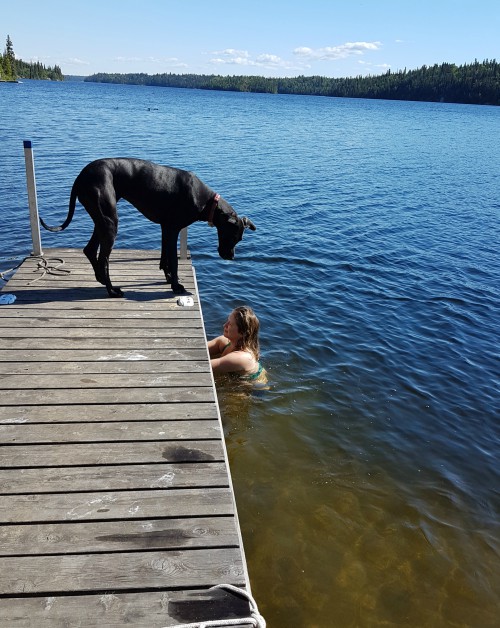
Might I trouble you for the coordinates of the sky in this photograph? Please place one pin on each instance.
(334, 38)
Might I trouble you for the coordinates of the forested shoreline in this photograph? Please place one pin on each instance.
(12, 69)
(36, 70)
(475, 83)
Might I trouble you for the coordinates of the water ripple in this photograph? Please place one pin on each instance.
(375, 273)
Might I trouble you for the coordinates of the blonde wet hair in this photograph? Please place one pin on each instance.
(248, 326)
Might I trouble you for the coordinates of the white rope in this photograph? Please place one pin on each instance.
(47, 268)
(256, 618)
(43, 265)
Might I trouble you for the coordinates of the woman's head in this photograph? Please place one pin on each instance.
(248, 328)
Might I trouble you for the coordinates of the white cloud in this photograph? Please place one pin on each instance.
(373, 68)
(268, 59)
(303, 57)
(74, 61)
(231, 56)
(332, 53)
(231, 53)
(173, 62)
(232, 60)
(127, 59)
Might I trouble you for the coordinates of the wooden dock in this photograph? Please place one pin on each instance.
(116, 503)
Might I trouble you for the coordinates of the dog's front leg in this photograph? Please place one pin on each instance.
(168, 259)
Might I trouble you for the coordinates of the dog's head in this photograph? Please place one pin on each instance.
(230, 229)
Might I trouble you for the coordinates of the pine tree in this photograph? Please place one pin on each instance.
(8, 66)
(9, 61)
(12, 69)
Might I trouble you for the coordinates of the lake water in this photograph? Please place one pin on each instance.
(367, 478)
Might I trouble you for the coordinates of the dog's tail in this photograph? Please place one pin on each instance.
(69, 217)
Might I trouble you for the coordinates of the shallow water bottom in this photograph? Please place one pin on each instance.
(334, 541)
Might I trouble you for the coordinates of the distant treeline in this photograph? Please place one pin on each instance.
(38, 71)
(12, 69)
(475, 83)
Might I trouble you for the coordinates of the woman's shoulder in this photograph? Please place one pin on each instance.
(247, 358)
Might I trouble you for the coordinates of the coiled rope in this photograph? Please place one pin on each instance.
(255, 618)
(45, 265)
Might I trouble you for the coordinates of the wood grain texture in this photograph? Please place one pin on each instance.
(116, 506)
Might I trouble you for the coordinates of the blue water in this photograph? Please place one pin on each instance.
(367, 478)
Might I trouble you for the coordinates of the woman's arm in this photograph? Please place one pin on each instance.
(216, 346)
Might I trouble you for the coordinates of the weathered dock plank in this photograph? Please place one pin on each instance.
(129, 571)
(115, 478)
(114, 609)
(116, 504)
(68, 454)
(105, 380)
(104, 537)
(117, 357)
(109, 395)
(157, 431)
(180, 411)
(173, 362)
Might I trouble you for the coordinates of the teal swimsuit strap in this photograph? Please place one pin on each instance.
(254, 375)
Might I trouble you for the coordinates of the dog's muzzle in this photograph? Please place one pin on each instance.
(226, 253)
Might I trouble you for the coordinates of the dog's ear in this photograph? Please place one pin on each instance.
(248, 224)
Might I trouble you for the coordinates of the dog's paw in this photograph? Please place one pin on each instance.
(115, 292)
(178, 288)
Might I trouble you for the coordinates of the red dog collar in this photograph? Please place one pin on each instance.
(211, 211)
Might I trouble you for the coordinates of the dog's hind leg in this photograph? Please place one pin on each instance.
(97, 194)
(99, 249)
(91, 252)
(107, 235)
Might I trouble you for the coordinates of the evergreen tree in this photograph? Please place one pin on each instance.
(11, 68)
(9, 62)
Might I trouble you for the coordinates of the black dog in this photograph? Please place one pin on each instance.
(170, 197)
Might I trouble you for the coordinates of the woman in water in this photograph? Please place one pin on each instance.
(237, 350)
